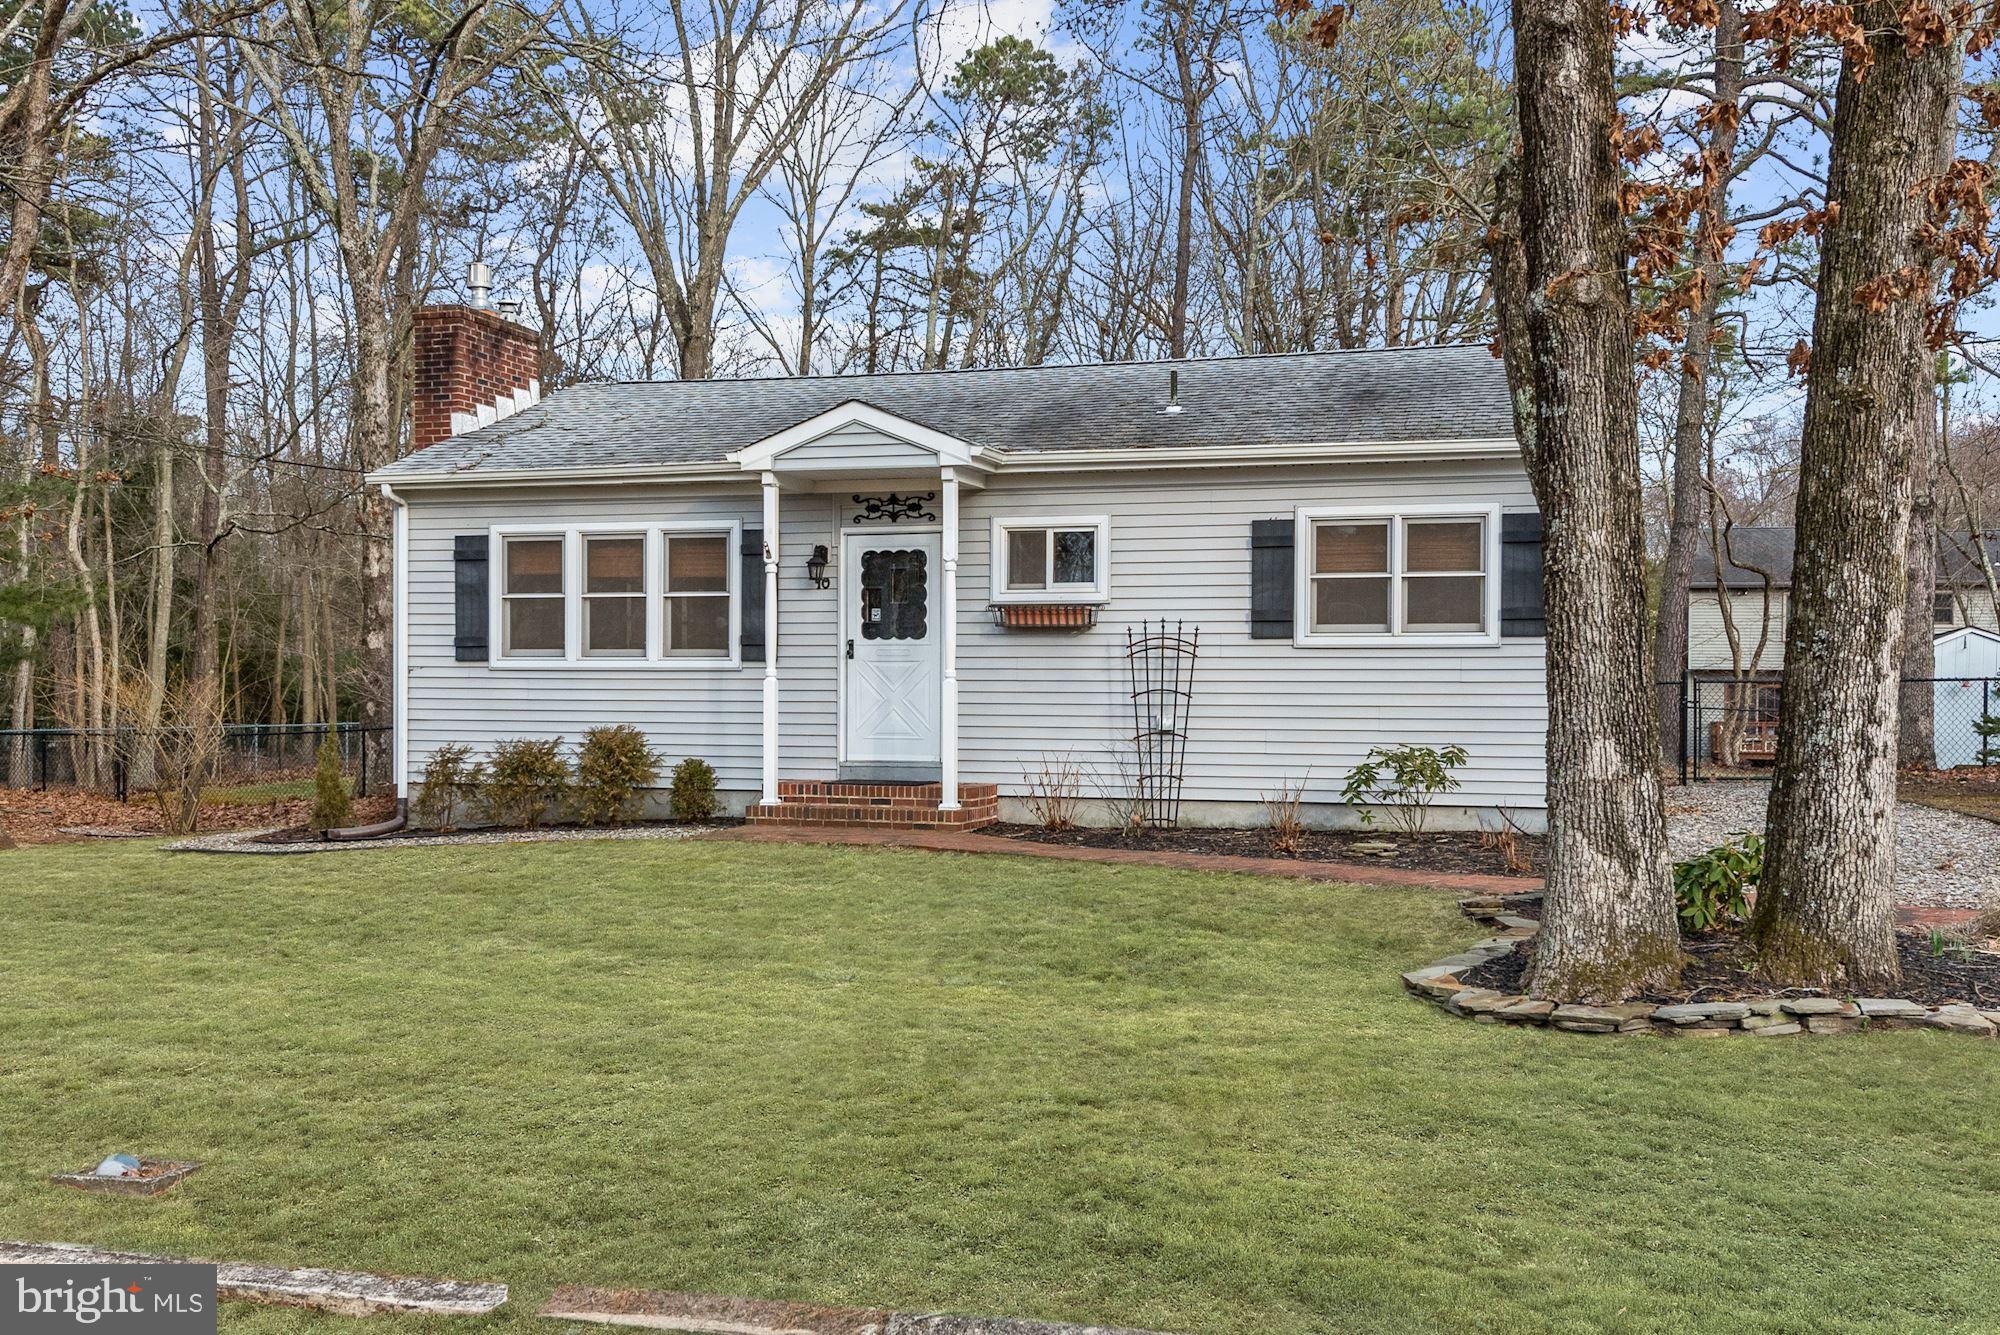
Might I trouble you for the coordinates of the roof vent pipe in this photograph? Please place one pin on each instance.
(478, 283)
(1173, 393)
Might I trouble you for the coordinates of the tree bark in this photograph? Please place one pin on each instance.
(1608, 929)
(1670, 632)
(1824, 908)
(1916, 733)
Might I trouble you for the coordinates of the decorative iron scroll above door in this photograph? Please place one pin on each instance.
(895, 508)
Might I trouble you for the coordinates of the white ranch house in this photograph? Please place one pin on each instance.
(840, 589)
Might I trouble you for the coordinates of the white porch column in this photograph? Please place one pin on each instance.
(771, 539)
(948, 796)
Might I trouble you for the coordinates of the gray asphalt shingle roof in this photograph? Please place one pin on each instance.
(1400, 394)
(1769, 547)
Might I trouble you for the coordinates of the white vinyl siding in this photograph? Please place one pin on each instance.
(1708, 639)
(1265, 712)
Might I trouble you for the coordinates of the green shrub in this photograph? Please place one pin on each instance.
(613, 767)
(449, 772)
(1988, 729)
(524, 778)
(331, 808)
(1403, 779)
(1711, 888)
(692, 796)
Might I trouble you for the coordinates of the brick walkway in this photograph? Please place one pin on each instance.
(1297, 868)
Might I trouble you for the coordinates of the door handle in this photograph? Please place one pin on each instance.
(850, 648)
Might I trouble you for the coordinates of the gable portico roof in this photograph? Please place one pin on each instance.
(1430, 400)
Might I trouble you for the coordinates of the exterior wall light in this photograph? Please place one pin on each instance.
(816, 567)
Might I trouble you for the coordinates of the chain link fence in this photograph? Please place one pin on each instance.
(1729, 727)
(254, 761)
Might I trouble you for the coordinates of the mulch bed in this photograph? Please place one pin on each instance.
(1446, 852)
(1719, 967)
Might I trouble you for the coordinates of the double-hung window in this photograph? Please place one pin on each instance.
(532, 602)
(650, 594)
(696, 579)
(1393, 576)
(1052, 560)
(614, 595)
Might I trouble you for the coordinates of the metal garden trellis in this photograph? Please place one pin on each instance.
(1161, 666)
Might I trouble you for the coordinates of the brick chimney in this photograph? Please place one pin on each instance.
(473, 367)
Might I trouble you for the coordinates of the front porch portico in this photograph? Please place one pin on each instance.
(897, 634)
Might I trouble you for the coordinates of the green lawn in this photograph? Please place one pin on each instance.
(1193, 1103)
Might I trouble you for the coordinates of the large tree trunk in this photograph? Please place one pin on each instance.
(1824, 908)
(1916, 739)
(1608, 929)
(1670, 633)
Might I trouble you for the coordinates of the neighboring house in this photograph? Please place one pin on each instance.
(829, 587)
(1963, 599)
(1734, 690)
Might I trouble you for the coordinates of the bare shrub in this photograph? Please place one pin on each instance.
(1117, 786)
(1055, 791)
(1282, 818)
(181, 753)
(1507, 842)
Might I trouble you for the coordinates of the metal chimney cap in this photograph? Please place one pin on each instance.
(508, 306)
(478, 283)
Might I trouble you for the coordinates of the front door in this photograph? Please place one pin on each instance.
(893, 663)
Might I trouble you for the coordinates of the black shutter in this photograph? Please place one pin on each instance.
(752, 576)
(1271, 579)
(1521, 611)
(469, 576)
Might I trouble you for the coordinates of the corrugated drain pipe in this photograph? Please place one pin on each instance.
(402, 816)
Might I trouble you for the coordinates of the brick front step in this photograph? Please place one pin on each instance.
(895, 806)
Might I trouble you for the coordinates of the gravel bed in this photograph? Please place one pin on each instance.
(1943, 860)
(245, 841)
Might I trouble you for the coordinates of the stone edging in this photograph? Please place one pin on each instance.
(1765, 1017)
(345, 1292)
(244, 841)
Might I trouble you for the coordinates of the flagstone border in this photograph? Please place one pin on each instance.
(1761, 1017)
(343, 1292)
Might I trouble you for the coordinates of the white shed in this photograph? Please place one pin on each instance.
(1967, 689)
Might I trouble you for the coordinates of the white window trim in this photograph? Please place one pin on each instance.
(1305, 636)
(573, 656)
(1097, 591)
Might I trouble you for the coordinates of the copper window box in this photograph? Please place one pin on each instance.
(1045, 616)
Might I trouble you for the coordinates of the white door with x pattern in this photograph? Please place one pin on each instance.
(891, 647)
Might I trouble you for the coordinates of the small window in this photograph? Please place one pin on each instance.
(1350, 577)
(532, 598)
(696, 614)
(1396, 575)
(1050, 560)
(1444, 585)
(614, 596)
(1944, 608)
